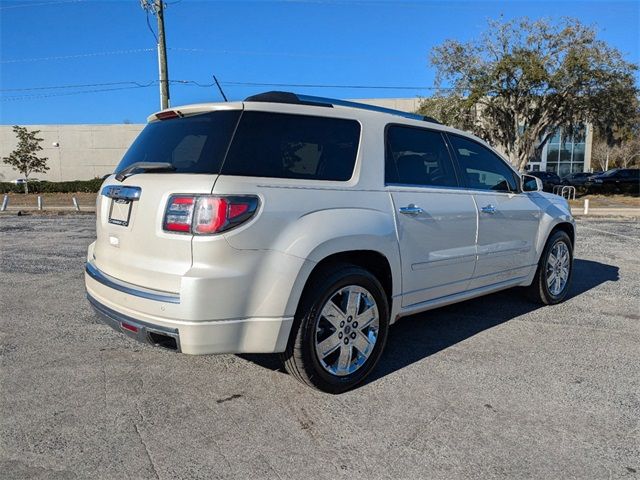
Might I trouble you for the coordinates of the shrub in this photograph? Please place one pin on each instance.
(75, 186)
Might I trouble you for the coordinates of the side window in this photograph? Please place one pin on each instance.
(483, 169)
(293, 146)
(418, 157)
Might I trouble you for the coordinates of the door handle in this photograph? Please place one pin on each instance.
(489, 209)
(410, 209)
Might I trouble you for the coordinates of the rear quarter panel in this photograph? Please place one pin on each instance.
(303, 225)
(308, 220)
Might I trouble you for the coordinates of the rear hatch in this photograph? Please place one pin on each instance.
(187, 149)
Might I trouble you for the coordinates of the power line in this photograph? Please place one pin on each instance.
(41, 4)
(193, 82)
(80, 55)
(131, 84)
(309, 85)
(81, 85)
(46, 95)
(318, 85)
(202, 50)
(155, 37)
(261, 53)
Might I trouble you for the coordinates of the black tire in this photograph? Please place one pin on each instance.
(538, 291)
(300, 358)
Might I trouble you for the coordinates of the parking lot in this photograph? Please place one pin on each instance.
(490, 388)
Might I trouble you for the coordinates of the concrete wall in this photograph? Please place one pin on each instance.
(83, 151)
(403, 104)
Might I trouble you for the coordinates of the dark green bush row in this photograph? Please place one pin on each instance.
(54, 187)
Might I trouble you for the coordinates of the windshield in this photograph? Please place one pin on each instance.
(194, 144)
(608, 173)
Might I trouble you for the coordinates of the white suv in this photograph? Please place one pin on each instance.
(306, 226)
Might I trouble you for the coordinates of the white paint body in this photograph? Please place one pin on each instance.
(239, 290)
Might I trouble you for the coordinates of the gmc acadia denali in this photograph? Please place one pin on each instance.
(307, 226)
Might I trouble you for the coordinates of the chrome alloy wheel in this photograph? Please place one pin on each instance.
(346, 330)
(557, 268)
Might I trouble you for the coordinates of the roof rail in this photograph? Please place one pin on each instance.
(294, 98)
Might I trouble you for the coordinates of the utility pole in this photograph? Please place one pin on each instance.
(162, 57)
(156, 7)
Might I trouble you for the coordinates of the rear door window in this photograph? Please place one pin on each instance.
(481, 168)
(415, 156)
(193, 144)
(280, 145)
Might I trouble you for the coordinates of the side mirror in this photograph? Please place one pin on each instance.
(531, 184)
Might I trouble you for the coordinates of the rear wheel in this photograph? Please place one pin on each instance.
(340, 329)
(553, 277)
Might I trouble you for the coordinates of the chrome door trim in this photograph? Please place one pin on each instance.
(128, 288)
(403, 187)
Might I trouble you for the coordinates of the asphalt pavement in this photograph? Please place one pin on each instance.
(491, 388)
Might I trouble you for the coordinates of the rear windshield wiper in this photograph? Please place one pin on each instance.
(146, 166)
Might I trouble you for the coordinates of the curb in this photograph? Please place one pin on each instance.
(31, 211)
(604, 212)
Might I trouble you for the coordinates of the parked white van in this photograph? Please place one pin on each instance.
(307, 226)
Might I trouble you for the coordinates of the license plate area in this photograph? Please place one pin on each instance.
(120, 211)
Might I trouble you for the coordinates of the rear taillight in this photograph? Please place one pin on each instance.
(208, 214)
(179, 214)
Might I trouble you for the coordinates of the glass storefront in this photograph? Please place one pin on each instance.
(565, 153)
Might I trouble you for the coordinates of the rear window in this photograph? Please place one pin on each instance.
(293, 146)
(194, 144)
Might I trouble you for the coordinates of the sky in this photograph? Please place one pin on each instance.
(98, 62)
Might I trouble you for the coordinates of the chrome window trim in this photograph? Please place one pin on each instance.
(459, 189)
(130, 289)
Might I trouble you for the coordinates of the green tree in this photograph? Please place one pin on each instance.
(523, 79)
(24, 158)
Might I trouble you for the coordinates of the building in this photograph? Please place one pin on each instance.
(82, 152)
(565, 154)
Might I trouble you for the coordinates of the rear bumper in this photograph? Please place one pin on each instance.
(133, 311)
(137, 329)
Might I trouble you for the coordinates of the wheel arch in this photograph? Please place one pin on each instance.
(562, 225)
(372, 260)
(566, 227)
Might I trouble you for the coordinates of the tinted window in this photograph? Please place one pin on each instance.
(418, 157)
(482, 169)
(630, 173)
(293, 146)
(194, 144)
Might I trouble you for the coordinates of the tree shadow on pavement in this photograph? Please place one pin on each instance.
(418, 336)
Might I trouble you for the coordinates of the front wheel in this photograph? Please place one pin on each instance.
(553, 277)
(340, 329)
